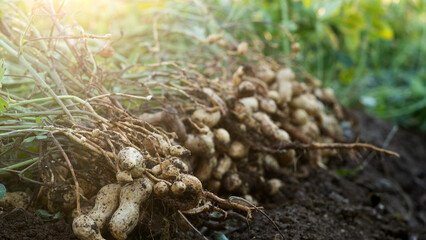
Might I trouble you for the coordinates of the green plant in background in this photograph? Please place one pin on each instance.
(370, 51)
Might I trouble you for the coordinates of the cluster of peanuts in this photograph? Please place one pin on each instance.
(265, 107)
(118, 205)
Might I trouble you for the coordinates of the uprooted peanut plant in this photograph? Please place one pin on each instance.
(154, 143)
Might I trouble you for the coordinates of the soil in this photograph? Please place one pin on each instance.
(20, 224)
(384, 200)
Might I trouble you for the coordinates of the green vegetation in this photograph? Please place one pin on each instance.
(370, 51)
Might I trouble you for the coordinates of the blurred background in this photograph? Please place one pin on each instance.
(371, 52)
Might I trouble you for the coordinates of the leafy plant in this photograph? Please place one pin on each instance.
(352, 45)
(46, 216)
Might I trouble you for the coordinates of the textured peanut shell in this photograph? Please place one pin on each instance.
(125, 219)
(105, 204)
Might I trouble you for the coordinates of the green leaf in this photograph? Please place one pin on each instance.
(2, 191)
(348, 172)
(346, 75)
(46, 216)
(219, 236)
(352, 40)
(38, 120)
(2, 70)
(351, 22)
(386, 32)
(3, 105)
(418, 87)
(40, 137)
(372, 7)
(28, 140)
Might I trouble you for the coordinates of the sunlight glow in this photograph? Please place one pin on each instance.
(321, 11)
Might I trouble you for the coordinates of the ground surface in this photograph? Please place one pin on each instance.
(368, 204)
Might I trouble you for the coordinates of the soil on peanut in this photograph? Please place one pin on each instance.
(384, 200)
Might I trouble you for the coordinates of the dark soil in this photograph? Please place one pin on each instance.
(20, 224)
(386, 200)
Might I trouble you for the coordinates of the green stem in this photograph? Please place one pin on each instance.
(284, 22)
(48, 113)
(45, 99)
(23, 131)
(25, 126)
(28, 114)
(52, 71)
(36, 76)
(73, 79)
(19, 165)
(22, 40)
(14, 97)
